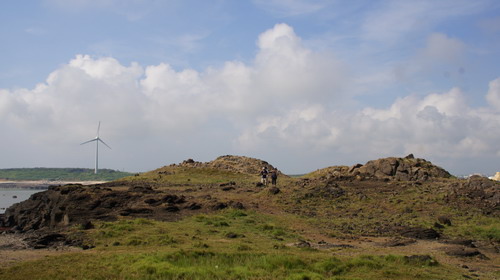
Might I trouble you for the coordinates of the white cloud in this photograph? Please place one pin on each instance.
(441, 55)
(438, 125)
(443, 48)
(286, 102)
(393, 20)
(493, 95)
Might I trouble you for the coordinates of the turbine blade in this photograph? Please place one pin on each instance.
(98, 128)
(103, 142)
(89, 141)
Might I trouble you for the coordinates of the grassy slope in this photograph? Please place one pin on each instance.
(61, 174)
(255, 243)
(201, 247)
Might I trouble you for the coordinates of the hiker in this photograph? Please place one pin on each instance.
(274, 176)
(263, 176)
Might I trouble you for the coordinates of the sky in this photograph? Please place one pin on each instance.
(301, 84)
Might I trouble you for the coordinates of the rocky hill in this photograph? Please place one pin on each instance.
(404, 200)
(237, 164)
(408, 168)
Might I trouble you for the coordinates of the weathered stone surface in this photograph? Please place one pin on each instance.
(444, 220)
(274, 190)
(398, 242)
(463, 252)
(61, 206)
(403, 169)
(420, 233)
(478, 192)
(408, 168)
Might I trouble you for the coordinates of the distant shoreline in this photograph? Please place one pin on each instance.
(41, 184)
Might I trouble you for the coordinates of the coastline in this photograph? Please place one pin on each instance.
(42, 184)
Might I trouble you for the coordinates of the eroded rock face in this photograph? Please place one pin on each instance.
(60, 206)
(478, 192)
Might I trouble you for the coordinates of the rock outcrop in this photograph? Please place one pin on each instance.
(239, 164)
(408, 168)
(478, 192)
(60, 206)
(401, 169)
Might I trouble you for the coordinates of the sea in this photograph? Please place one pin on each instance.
(11, 193)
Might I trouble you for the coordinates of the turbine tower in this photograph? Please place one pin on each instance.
(97, 140)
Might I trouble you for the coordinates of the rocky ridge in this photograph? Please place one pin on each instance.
(239, 164)
(63, 206)
(408, 168)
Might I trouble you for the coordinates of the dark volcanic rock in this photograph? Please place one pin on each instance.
(193, 206)
(398, 242)
(87, 225)
(61, 206)
(420, 233)
(478, 192)
(463, 242)
(402, 169)
(274, 190)
(219, 206)
(463, 252)
(45, 240)
(444, 220)
(236, 205)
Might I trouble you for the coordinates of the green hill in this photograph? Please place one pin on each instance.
(61, 174)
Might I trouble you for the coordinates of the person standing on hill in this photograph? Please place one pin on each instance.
(274, 176)
(263, 175)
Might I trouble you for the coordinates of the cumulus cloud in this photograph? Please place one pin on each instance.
(285, 103)
(443, 48)
(493, 95)
(438, 125)
(441, 55)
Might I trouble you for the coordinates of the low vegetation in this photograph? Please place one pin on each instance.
(61, 174)
(232, 244)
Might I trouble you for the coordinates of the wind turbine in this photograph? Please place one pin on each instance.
(97, 140)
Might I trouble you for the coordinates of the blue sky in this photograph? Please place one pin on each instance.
(301, 84)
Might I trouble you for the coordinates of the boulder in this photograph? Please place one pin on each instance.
(477, 192)
(274, 190)
(402, 169)
(463, 252)
(444, 220)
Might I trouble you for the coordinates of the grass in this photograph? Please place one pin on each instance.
(199, 248)
(475, 227)
(193, 176)
(206, 264)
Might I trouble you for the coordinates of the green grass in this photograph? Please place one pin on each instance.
(61, 174)
(199, 248)
(475, 227)
(192, 176)
(210, 264)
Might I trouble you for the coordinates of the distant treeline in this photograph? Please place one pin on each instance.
(61, 174)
